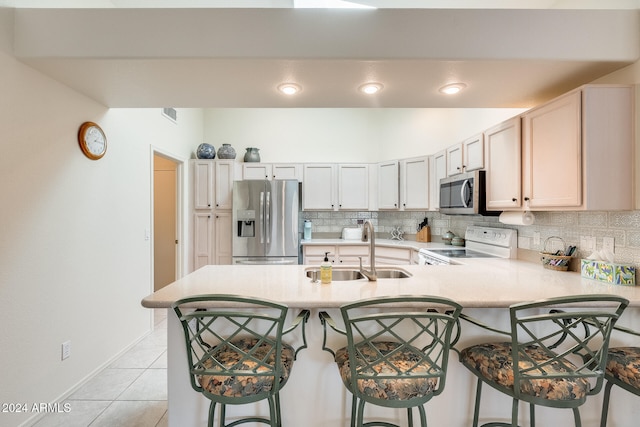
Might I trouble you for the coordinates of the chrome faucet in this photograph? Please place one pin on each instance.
(369, 233)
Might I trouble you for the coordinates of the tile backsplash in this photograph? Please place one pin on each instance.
(622, 226)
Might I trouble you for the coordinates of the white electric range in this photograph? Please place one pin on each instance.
(481, 242)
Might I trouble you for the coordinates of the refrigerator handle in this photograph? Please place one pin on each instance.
(267, 222)
(262, 217)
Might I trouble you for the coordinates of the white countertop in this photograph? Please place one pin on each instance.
(479, 282)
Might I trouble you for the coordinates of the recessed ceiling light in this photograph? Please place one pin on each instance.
(289, 88)
(452, 88)
(371, 88)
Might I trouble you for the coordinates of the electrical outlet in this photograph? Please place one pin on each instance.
(587, 243)
(66, 349)
(536, 238)
(524, 242)
(608, 244)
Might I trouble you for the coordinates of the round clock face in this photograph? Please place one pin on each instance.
(92, 140)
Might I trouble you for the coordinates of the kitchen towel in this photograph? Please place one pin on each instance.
(517, 218)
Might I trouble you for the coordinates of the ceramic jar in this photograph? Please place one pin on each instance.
(226, 151)
(447, 237)
(206, 151)
(457, 241)
(252, 155)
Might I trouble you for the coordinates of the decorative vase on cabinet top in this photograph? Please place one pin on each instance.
(252, 155)
(226, 152)
(206, 151)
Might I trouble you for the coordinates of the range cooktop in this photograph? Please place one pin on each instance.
(461, 253)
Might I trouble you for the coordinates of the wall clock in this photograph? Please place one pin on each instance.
(93, 141)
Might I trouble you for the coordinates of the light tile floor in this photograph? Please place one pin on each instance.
(131, 392)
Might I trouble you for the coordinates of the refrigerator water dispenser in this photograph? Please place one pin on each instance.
(246, 223)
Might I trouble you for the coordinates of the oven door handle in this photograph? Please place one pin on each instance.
(463, 192)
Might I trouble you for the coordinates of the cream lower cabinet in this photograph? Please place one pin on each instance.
(222, 237)
(393, 256)
(202, 240)
(349, 255)
(212, 239)
(338, 254)
(577, 151)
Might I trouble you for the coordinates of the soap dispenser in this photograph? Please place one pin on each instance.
(325, 269)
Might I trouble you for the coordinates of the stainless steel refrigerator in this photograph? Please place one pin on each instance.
(265, 222)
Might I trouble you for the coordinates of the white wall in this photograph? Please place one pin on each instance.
(74, 263)
(345, 134)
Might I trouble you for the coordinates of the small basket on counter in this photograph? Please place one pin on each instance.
(558, 260)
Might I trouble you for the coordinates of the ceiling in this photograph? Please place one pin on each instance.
(125, 55)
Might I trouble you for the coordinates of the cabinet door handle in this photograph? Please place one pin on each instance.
(514, 200)
(526, 199)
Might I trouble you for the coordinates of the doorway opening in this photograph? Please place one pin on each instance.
(167, 241)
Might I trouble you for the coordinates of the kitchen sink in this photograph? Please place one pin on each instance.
(392, 274)
(340, 275)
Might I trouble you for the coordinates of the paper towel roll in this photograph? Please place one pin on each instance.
(517, 218)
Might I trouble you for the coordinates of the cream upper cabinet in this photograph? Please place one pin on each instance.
(224, 174)
(272, 171)
(503, 168)
(256, 171)
(353, 186)
(473, 153)
(333, 186)
(388, 185)
(202, 184)
(454, 159)
(286, 171)
(438, 170)
(466, 156)
(578, 151)
(414, 183)
(212, 184)
(551, 162)
(319, 188)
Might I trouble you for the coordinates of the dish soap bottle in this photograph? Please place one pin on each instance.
(325, 269)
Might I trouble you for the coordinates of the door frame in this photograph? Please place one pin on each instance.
(180, 232)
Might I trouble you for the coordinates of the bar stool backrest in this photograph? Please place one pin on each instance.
(402, 339)
(234, 338)
(562, 342)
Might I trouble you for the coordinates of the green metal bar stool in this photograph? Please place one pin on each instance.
(397, 352)
(554, 354)
(623, 370)
(235, 352)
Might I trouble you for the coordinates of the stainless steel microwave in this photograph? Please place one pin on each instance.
(464, 194)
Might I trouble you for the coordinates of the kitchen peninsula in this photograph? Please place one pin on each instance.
(315, 396)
